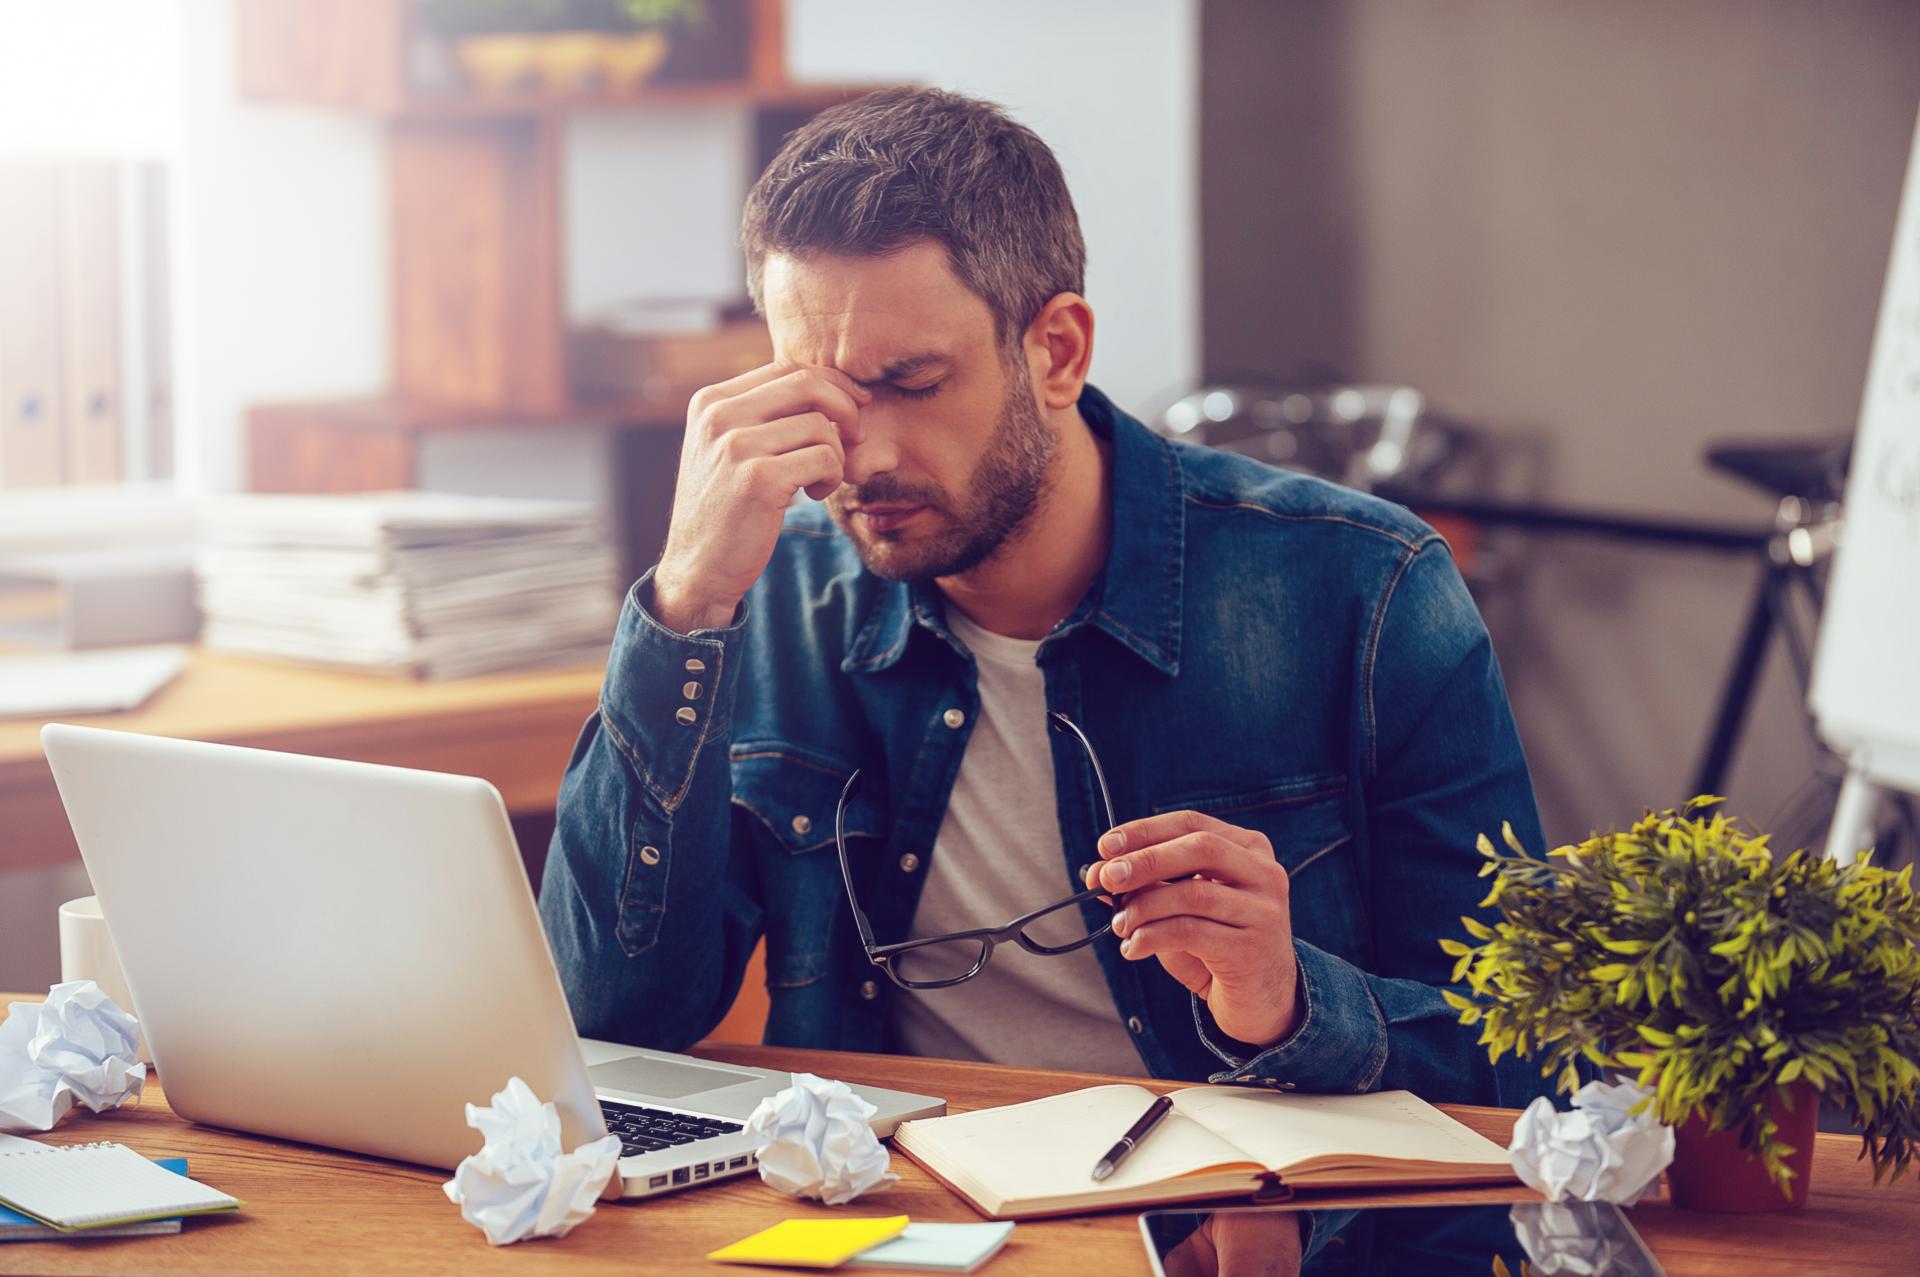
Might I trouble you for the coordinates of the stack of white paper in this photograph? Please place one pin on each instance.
(409, 582)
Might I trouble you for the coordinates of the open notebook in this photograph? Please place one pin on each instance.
(90, 1185)
(1037, 1158)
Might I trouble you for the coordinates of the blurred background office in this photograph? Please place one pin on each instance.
(1521, 264)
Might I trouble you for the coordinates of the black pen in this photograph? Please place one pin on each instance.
(1131, 1140)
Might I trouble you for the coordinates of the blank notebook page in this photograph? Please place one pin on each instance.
(89, 1184)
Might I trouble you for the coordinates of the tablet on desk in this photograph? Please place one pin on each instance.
(1541, 1238)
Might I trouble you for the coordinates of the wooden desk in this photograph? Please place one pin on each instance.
(515, 730)
(309, 1210)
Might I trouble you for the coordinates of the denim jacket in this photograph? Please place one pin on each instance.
(1282, 653)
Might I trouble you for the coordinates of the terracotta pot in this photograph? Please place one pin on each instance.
(1712, 1172)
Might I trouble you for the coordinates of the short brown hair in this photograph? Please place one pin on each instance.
(897, 165)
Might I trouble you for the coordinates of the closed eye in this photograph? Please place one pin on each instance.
(917, 392)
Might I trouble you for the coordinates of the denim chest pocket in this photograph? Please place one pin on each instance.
(795, 791)
(1305, 821)
(792, 793)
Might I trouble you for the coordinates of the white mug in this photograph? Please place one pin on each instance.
(86, 953)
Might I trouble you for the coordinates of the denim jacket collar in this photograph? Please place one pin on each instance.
(1135, 599)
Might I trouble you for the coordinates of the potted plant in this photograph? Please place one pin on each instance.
(565, 46)
(1740, 985)
(641, 41)
(495, 41)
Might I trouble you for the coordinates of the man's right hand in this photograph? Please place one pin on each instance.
(751, 443)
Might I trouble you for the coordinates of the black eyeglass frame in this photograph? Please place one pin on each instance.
(882, 955)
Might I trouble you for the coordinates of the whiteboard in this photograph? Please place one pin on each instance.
(1866, 679)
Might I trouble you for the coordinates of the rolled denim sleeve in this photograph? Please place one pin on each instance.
(1340, 1025)
(1442, 764)
(650, 913)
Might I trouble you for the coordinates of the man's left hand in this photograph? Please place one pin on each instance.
(1210, 901)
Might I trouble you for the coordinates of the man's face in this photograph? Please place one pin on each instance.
(956, 452)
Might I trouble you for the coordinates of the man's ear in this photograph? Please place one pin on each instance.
(1059, 346)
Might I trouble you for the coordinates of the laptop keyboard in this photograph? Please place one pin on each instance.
(645, 1130)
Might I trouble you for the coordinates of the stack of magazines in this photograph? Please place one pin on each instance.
(423, 583)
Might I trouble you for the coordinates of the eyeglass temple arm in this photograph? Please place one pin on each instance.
(1100, 777)
(846, 866)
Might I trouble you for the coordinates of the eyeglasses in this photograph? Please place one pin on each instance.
(939, 962)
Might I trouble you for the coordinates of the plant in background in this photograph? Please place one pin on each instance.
(646, 14)
(1686, 953)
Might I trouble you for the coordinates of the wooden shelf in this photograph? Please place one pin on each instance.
(531, 105)
(365, 445)
(388, 413)
(366, 56)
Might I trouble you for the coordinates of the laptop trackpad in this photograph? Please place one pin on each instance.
(663, 1079)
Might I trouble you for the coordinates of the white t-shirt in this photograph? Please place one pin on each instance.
(997, 856)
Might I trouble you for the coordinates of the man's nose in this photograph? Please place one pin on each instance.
(874, 454)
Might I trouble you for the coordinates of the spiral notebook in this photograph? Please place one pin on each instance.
(92, 1185)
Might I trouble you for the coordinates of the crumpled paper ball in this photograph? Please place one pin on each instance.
(76, 1047)
(814, 1141)
(520, 1184)
(1596, 1153)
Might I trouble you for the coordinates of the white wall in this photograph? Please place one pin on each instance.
(653, 207)
(280, 256)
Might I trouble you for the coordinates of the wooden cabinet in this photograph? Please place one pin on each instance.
(480, 337)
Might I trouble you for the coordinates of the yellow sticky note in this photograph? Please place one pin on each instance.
(811, 1243)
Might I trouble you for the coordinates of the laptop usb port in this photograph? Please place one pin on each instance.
(700, 1171)
(680, 1176)
(737, 1163)
(658, 1181)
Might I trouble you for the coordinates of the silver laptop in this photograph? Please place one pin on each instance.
(348, 955)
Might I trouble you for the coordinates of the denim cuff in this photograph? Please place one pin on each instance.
(666, 695)
(1340, 1043)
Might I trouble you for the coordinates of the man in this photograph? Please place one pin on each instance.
(1291, 699)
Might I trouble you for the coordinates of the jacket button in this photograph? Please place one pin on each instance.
(695, 665)
(686, 714)
(869, 990)
(909, 863)
(650, 855)
(691, 691)
(1134, 1024)
(953, 718)
(802, 825)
